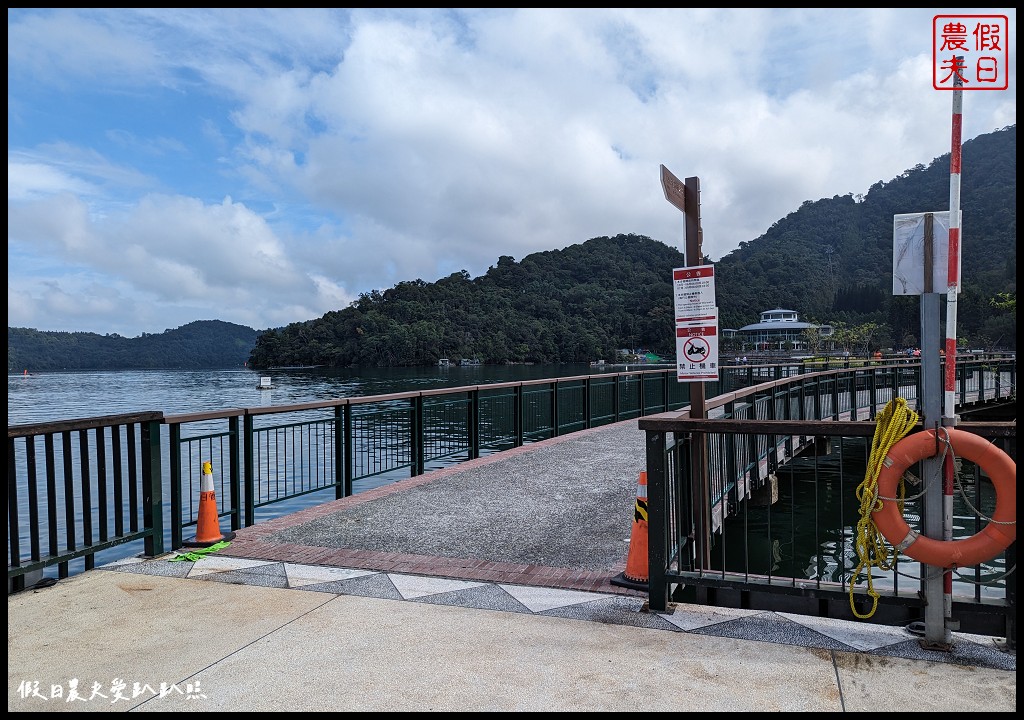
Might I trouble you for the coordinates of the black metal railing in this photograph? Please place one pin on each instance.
(784, 461)
(77, 488)
(118, 479)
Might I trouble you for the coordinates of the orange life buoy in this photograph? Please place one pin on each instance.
(991, 540)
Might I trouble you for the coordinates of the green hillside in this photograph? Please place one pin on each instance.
(199, 344)
(830, 260)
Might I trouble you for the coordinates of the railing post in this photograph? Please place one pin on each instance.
(84, 464)
(474, 424)
(348, 450)
(517, 416)
(587, 419)
(554, 407)
(852, 379)
(235, 478)
(13, 525)
(962, 381)
(174, 455)
(152, 488)
(658, 522)
(873, 393)
(835, 397)
(250, 470)
(772, 439)
(101, 478)
(666, 379)
(730, 448)
(643, 395)
(615, 398)
(416, 408)
(338, 447)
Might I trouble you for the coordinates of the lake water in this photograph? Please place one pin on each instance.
(41, 397)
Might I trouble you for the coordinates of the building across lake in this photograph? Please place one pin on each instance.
(778, 329)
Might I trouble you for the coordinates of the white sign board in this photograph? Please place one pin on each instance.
(908, 254)
(696, 352)
(708, 318)
(694, 291)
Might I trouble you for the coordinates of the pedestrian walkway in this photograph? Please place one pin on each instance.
(232, 635)
(485, 586)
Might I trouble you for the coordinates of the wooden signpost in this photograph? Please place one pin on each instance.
(686, 197)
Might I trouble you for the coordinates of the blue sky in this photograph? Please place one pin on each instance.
(266, 166)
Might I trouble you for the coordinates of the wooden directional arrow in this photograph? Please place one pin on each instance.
(675, 190)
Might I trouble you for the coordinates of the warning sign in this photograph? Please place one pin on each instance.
(694, 291)
(696, 352)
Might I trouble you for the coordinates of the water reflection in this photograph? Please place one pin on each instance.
(51, 396)
(810, 532)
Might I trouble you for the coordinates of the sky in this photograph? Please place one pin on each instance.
(267, 166)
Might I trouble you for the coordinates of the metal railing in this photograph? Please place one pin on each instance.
(109, 481)
(112, 480)
(785, 458)
(97, 482)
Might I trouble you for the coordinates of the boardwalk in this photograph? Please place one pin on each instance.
(480, 587)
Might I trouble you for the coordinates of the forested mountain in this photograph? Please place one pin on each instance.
(570, 305)
(200, 344)
(830, 260)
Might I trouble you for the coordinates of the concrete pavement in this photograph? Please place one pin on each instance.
(221, 646)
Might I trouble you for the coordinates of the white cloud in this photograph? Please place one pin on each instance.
(266, 166)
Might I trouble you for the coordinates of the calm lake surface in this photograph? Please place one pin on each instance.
(49, 396)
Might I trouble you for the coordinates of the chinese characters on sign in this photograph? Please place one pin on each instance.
(696, 352)
(694, 291)
(696, 323)
(971, 49)
(117, 691)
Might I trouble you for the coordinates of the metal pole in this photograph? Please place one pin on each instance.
(952, 288)
(699, 466)
(933, 583)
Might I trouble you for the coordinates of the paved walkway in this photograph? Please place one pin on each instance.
(485, 586)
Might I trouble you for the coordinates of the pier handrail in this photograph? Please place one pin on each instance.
(754, 434)
(115, 480)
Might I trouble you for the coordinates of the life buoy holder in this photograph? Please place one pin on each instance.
(998, 533)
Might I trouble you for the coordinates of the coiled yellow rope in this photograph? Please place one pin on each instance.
(893, 424)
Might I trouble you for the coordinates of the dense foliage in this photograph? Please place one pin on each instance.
(829, 260)
(572, 305)
(200, 344)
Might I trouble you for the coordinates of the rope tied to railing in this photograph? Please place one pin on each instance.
(894, 423)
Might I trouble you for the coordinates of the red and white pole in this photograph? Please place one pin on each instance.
(953, 273)
(952, 288)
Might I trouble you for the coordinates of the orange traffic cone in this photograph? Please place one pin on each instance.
(208, 524)
(637, 573)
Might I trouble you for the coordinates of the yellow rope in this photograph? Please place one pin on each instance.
(894, 423)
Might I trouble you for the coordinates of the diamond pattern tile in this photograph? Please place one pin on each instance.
(775, 627)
